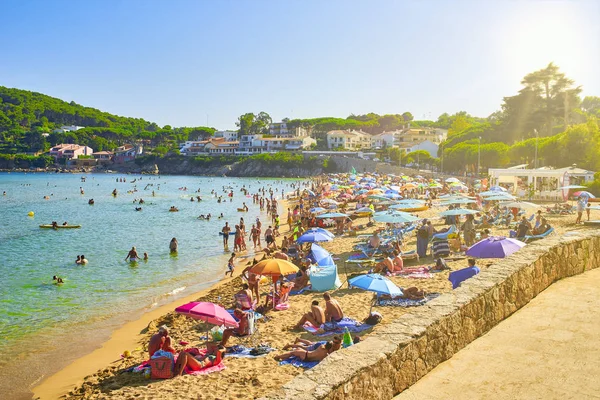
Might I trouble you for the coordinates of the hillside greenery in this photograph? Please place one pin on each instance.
(547, 113)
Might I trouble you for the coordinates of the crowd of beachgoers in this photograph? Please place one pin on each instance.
(340, 256)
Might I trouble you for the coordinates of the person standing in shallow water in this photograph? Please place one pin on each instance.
(173, 246)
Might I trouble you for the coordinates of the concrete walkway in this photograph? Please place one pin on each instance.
(550, 349)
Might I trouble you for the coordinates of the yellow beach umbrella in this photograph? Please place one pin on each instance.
(274, 266)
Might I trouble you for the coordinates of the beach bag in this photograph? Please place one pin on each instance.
(161, 368)
(217, 332)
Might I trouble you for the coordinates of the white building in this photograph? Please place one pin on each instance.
(385, 139)
(349, 140)
(221, 147)
(418, 135)
(256, 144)
(281, 129)
(545, 182)
(68, 128)
(428, 146)
(229, 136)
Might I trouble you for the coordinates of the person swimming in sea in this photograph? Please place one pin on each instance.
(145, 256)
(83, 260)
(58, 279)
(132, 255)
(173, 245)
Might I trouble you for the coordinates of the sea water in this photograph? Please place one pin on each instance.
(36, 314)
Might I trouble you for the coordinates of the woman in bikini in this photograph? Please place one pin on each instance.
(306, 355)
(197, 363)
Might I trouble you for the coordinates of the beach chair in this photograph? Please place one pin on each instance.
(531, 238)
(252, 339)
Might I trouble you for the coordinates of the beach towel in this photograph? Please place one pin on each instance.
(337, 328)
(245, 352)
(296, 362)
(406, 302)
(205, 371)
(457, 277)
(297, 292)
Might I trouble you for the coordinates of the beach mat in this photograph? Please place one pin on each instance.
(406, 302)
(240, 351)
(337, 328)
(296, 362)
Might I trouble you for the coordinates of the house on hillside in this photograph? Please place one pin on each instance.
(68, 128)
(221, 147)
(127, 153)
(349, 140)
(103, 157)
(281, 129)
(229, 136)
(70, 151)
(385, 139)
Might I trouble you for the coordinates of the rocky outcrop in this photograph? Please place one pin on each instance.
(245, 168)
(398, 354)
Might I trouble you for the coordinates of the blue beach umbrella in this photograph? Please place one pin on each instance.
(458, 201)
(375, 283)
(314, 236)
(320, 256)
(320, 230)
(394, 217)
(457, 211)
(315, 210)
(332, 215)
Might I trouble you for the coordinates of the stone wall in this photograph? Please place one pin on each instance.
(398, 354)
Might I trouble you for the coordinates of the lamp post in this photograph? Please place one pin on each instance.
(536, 148)
(478, 156)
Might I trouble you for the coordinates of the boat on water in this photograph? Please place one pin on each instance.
(49, 226)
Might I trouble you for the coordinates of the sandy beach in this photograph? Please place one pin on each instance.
(99, 375)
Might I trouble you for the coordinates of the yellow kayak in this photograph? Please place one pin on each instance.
(423, 208)
(49, 226)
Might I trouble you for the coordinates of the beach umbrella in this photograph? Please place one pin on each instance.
(458, 211)
(321, 230)
(407, 204)
(525, 205)
(314, 236)
(207, 312)
(497, 189)
(274, 267)
(310, 192)
(375, 283)
(329, 201)
(583, 193)
(332, 215)
(392, 196)
(500, 198)
(377, 197)
(316, 210)
(452, 180)
(364, 210)
(458, 201)
(494, 247)
(320, 256)
(394, 217)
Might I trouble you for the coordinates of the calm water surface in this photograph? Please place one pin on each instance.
(34, 313)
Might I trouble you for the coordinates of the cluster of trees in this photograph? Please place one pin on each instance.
(546, 114)
(26, 116)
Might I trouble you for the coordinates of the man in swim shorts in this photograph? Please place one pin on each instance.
(226, 229)
(316, 316)
(333, 310)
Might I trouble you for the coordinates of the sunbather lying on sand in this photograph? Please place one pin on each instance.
(304, 344)
(305, 355)
(197, 363)
(411, 293)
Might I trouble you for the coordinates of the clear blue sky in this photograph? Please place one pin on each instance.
(182, 62)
